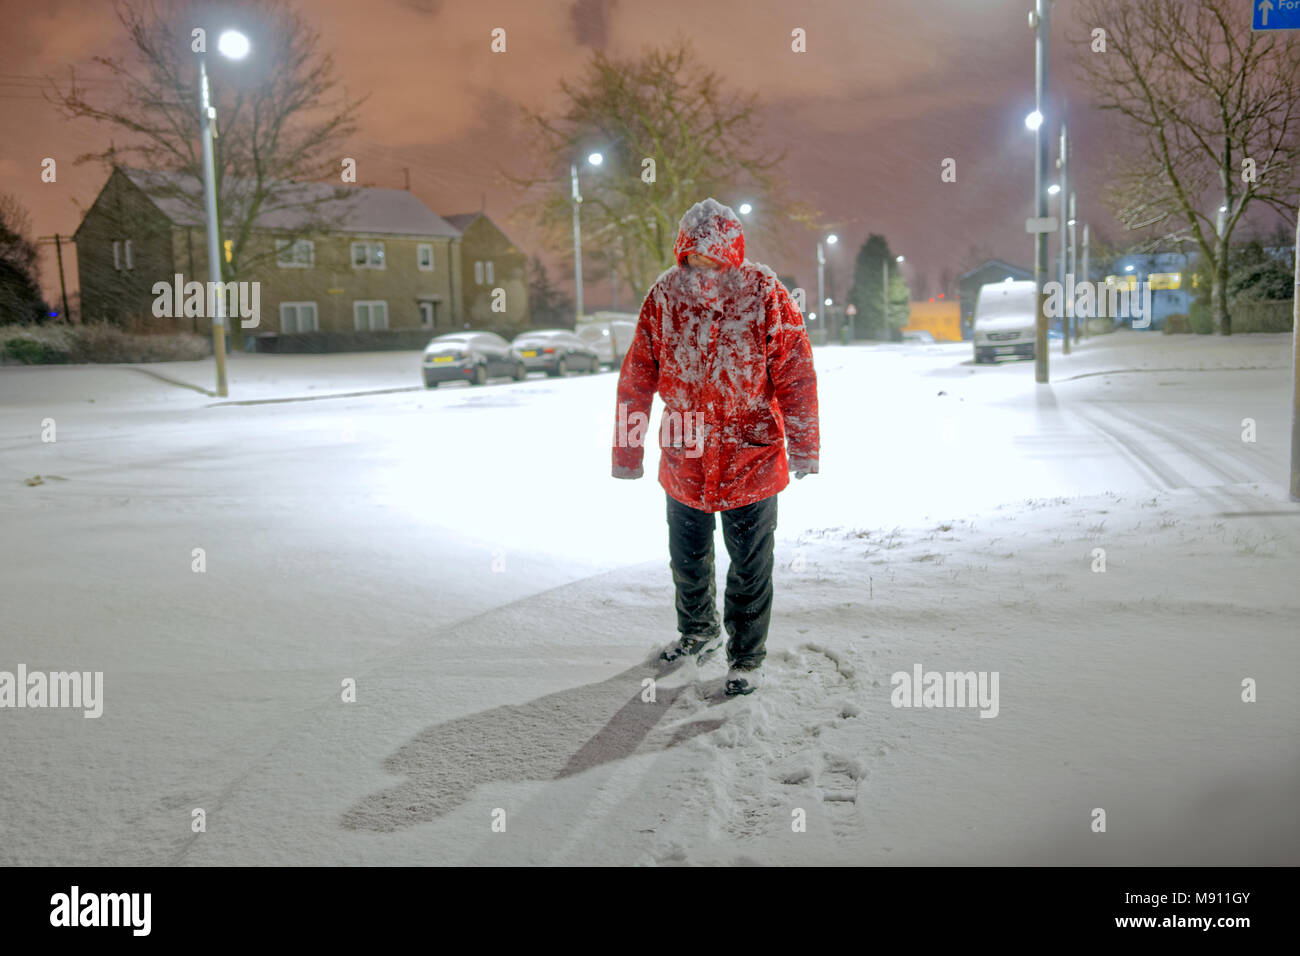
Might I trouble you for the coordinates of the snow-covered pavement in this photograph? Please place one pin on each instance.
(463, 556)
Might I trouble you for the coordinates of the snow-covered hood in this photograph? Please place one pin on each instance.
(710, 229)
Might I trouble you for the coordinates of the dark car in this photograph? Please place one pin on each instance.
(555, 352)
(470, 357)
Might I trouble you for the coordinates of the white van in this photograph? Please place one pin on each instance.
(1006, 320)
(610, 334)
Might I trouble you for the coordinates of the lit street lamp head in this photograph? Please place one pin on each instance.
(745, 209)
(1034, 120)
(233, 45)
(832, 239)
(595, 159)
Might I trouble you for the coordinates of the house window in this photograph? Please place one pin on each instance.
(295, 254)
(426, 314)
(367, 255)
(424, 256)
(478, 273)
(490, 277)
(298, 317)
(123, 254)
(370, 316)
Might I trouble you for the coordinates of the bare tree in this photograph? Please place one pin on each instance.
(666, 107)
(281, 113)
(1213, 109)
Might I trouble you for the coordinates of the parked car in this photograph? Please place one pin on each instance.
(470, 357)
(1006, 320)
(610, 334)
(555, 352)
(919, 336)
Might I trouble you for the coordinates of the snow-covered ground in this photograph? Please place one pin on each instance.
(463, 555)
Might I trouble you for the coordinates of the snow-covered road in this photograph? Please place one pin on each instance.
(463, 555)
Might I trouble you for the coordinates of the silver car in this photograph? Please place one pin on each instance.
(610, 335)
(472, 357)
(555, 352)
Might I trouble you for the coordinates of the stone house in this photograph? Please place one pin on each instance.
(490, 261)
(327, 259)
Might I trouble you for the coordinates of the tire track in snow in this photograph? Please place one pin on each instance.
(1165, 477)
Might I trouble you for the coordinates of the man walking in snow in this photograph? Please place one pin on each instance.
(721, 342)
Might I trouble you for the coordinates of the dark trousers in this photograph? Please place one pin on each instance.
(749, 533)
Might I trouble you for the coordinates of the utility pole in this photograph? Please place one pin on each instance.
(1087, 274)
(1074, 262)
(577, 245)
(1039, 19)
(884, 294)
(821, 263)
(63, 286)
(207, 113)
(1063, 160)
(1295, 374)
(613, 276)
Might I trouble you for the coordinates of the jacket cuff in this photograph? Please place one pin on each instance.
(622, 471)
(803, 464)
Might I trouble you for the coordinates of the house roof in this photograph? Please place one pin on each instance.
(295, 206)
(995, 263)
(461, 220)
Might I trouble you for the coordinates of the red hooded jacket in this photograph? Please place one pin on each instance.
(727, 352)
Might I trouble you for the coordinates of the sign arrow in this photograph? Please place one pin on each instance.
(1264, 7)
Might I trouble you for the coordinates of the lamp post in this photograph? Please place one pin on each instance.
(884, 267)
(1039, 21)
(234, 45)
(593, 159)
(1072, 320)
(1087, 275)
(821, 281)
(1063, 161)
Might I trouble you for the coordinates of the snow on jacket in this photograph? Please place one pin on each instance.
(727, 352)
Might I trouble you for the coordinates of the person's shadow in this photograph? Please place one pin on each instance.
(552, 737)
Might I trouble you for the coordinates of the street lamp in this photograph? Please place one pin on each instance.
(1039, 22)
(821, 263)
(745, 209)
(884, 320)
(1074, 262)
(233, 45)
(593, 159)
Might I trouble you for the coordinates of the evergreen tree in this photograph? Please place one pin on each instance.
(548, 306)
(867, 291)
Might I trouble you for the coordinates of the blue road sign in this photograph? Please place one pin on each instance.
(1275, 15)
